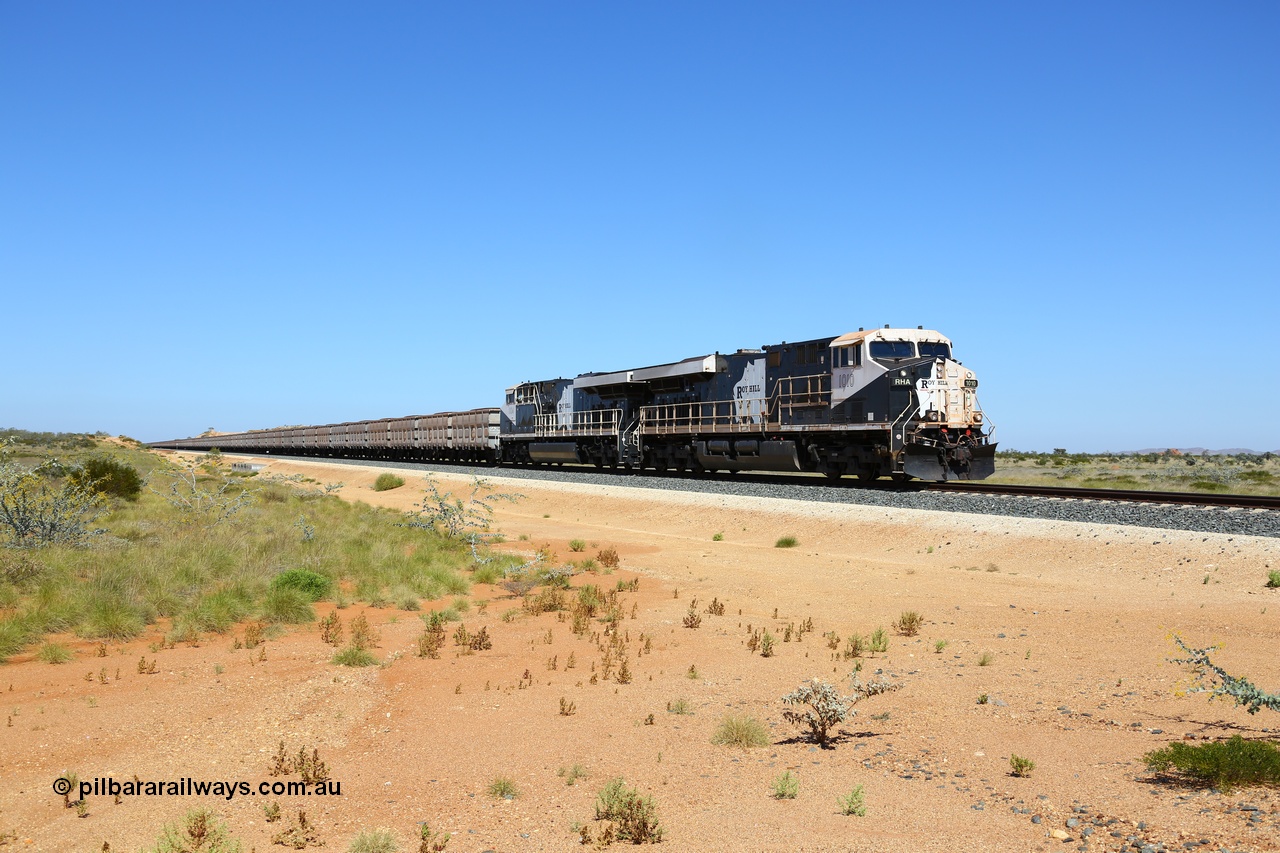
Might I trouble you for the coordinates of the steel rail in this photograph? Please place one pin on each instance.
(1114, 495)
(974, 487)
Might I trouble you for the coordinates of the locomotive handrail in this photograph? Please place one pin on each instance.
(750, 414)
(815, 391)
(596, 422)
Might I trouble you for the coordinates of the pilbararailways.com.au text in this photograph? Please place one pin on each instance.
(188, 787)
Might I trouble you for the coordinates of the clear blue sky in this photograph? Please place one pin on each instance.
(242, 215)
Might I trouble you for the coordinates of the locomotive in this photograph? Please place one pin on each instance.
(875, 402)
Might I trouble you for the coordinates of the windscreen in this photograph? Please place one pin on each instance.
(892, 349)
(934, 349)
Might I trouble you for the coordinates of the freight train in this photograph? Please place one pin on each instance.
(871, 403)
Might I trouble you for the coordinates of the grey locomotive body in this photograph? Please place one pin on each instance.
(870, 403)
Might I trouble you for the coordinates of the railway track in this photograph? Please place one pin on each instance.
(1115, 495)
(1221, 513)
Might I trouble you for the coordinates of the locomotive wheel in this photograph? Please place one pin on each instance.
(867, 473)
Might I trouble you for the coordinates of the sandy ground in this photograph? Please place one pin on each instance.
(1073, 618)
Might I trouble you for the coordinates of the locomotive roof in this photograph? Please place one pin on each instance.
(687, 367)
(890, 334)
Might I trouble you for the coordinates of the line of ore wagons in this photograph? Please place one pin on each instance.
(470, 436)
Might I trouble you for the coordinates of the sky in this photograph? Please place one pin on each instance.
(242, 215)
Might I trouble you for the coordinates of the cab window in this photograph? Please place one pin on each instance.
(934, 349)
(892, 349)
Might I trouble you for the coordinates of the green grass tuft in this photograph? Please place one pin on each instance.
(351, 656)
(786, 542)
(315, 586)
(53, 653)
(503, 788)
(374, 841)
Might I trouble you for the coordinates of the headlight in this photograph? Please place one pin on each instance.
(977, 417)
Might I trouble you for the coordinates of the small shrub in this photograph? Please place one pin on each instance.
(608, 557)
(742, 731)
(362, 635)
(983, 698)
(432, 842)
(986, 659)
(201, 831)
(331, 628)
(53, 653)
(1224, 764)
(1021, 767)
(717, 537)
(567, 708)
(680, 707)
(634, 816)
(785, 787)
(271, 811)
(577, 545)
(572, 775)
(692, 619)
(374, 841)
(908, 624)
(387, 482)
(1273, 579)
(108, 476)
(853, 803)
(939, 646)
(299, 834)
(767, 641)
(879, 641)
(786, 542)
(503, 788)
(353, 656)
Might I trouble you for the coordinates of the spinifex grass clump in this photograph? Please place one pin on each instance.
(154, 563)
(1225, 764)
(387, 482)
(742, 731)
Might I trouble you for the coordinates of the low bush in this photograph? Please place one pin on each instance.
(1224, 764)
(853, 803)
(786, 542)
(1273, 579)
(387, 482)
(577, 545)
(109, 476)
(1021, 767)
(634, 816)
(201, 831)
(742, 731)
(908, 624)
